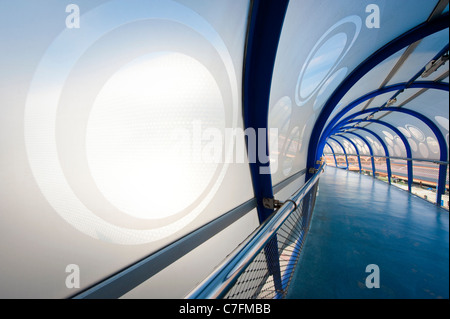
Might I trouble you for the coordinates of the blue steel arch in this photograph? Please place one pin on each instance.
(342, 146)
(436, 131)
(266, 23)
(399, 87)
(355, 103)
(433, 127)
(405, 142)
(385, 148)
(334, 154)
(370, 149)
(421, 31)
(356, 149)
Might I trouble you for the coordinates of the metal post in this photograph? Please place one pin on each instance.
(440, 190)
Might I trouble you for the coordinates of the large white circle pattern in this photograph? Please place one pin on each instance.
(324, 58)
(388, 135)
(42, 105)
(130, 150)
(405, 132)
(417, 133)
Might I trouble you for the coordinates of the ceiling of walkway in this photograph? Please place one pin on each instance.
(361, 84)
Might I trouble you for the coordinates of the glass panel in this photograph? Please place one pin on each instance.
(381, 169)
(112, 132)
(426, 177)
(436, 110)
(399, 173)
(370, 82)
(353, 164)
(366, 164)
(377, 148)
(336, 147)
(330, 160)
(448, 178)
(360, 144)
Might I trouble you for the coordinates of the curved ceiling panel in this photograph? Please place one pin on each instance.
(416, 84)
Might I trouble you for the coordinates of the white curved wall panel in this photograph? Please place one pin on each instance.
(112, 134)
(178, 279)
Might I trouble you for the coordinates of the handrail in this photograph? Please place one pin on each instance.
(217, 283)
(394, 158)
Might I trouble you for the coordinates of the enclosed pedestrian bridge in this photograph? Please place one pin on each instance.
(248, 149)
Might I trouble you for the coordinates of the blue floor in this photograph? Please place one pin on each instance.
(360, 221)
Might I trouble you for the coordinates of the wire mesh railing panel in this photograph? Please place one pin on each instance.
(269, 274)
(292, 236)
(255, 283)
(262, 266)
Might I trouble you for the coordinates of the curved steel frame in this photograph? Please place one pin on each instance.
(342, 146)
(370, 149)
(356, 149)
(386, 152)
(334, 154)
(408, 38)
(418, 85)
(405, 142)
(266, 23)
(436, 131)
(385, 148)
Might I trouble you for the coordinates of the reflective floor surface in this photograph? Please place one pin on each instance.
(359, 221)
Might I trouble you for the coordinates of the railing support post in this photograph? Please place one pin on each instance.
(440, 190)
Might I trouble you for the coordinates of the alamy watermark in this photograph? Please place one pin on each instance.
(373, 20)
(73, 18)
(373, 280)
(73, 279)
(210, 145)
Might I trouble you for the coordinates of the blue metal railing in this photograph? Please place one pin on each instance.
(245, 273)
